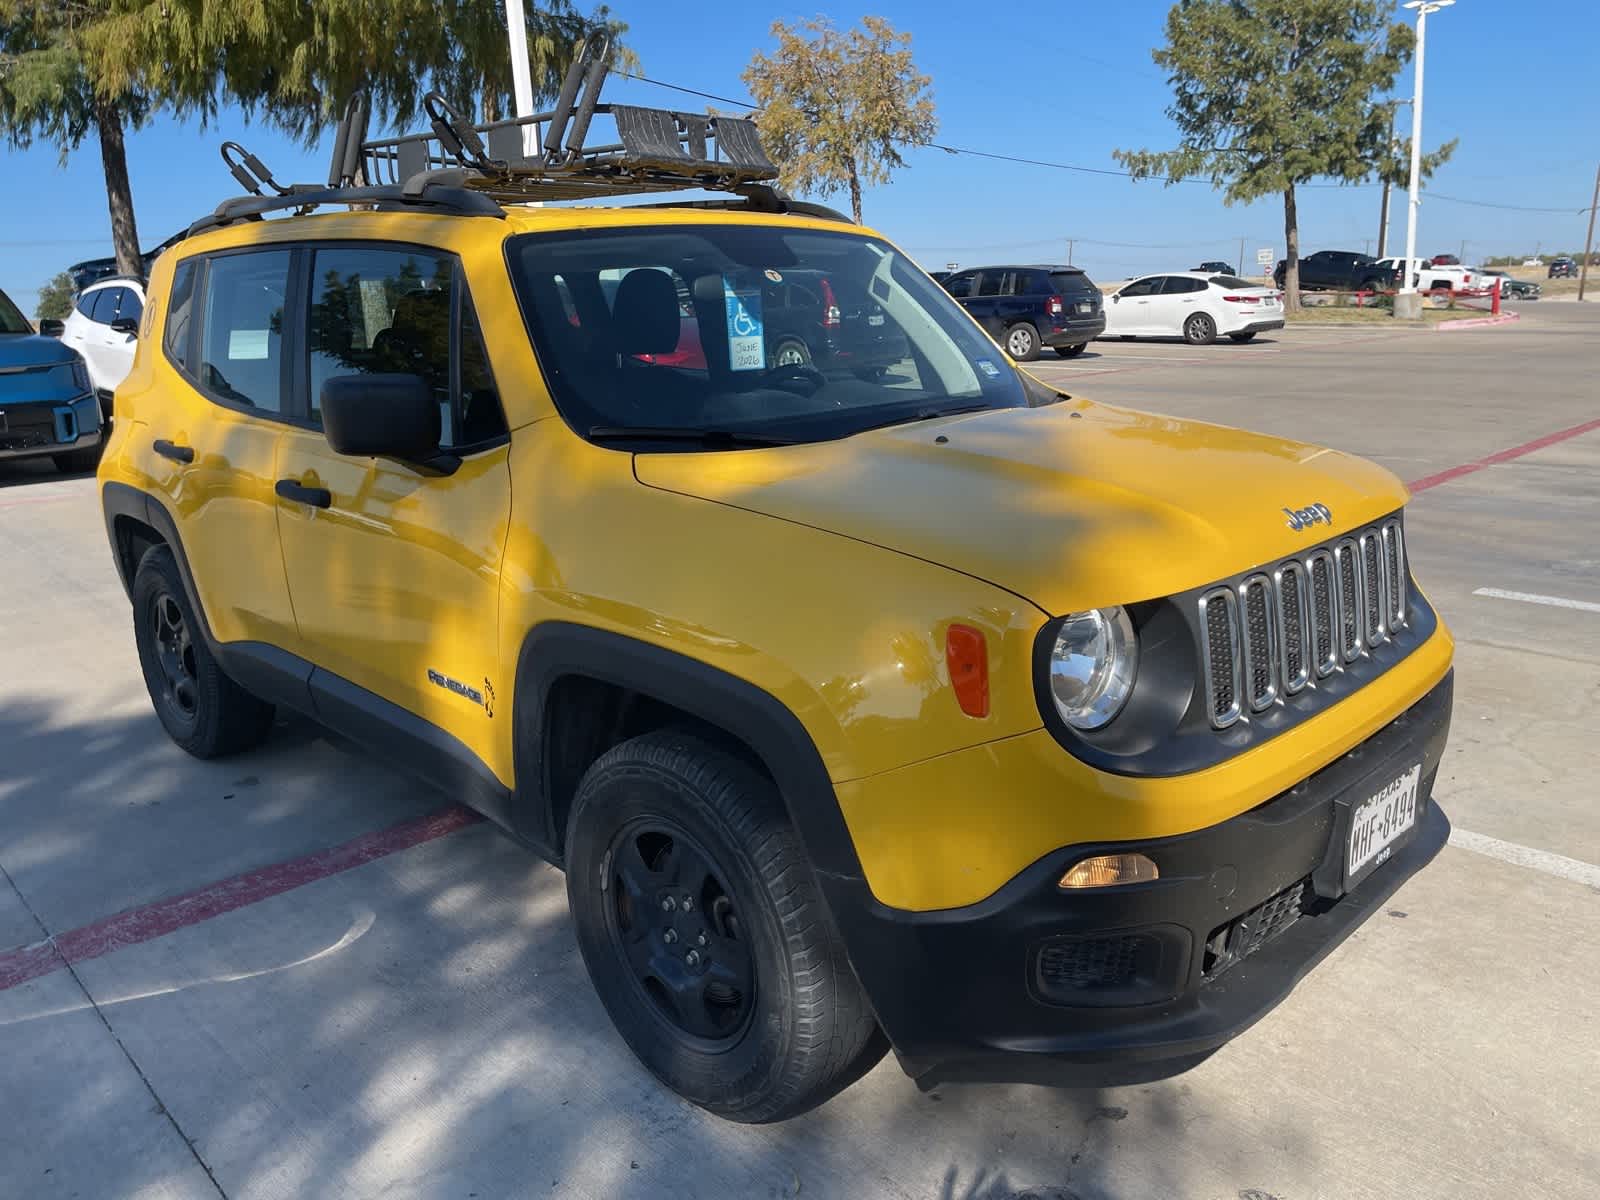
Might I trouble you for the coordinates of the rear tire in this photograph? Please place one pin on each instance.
(791, 352)
(1071, 351)
(1022, 342)
(1199, 329)
(202, 710)
(1242, 337)
(704, 933)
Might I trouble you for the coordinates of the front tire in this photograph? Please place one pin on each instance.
(791, 352)
(1022, 342)
(1199, 329)
(1071, 351)
(704, 933)
(202, 710)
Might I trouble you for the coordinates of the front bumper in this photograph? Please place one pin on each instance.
(44, 427)
(1101, 987)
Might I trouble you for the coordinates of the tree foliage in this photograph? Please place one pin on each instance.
(1270, 94)
(294, 64)
(55, 299)
(836, 107)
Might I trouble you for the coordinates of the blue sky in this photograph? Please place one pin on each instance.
(1066, 83)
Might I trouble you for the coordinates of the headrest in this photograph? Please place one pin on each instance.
(644, 315)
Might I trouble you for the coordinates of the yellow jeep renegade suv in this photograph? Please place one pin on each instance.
(858, 681)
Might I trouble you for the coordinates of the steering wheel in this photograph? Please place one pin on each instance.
(784, 372)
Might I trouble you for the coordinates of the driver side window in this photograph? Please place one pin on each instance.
(1142, 287)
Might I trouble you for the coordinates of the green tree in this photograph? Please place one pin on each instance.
(48, 91)
(55, 299)
(1271, 94)
(69, 68)
(837, 107)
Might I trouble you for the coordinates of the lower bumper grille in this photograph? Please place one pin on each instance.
(1241, 937)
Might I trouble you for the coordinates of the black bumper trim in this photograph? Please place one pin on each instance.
(956, 990)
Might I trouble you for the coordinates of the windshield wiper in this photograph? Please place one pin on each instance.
(710, 438)
(926, 414)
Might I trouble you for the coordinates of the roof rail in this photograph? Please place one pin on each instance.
(434, 195)
(761, 198)
(551, 156)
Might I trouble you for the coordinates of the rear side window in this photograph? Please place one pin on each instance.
(180, 307)
(392, 310)
(241, 355)
(1178, 285)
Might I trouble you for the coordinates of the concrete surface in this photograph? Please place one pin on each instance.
(421, 1025)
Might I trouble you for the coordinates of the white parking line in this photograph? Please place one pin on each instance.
(1533, 598)
(1558, 865)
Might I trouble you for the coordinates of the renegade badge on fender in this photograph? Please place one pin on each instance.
(858, 681)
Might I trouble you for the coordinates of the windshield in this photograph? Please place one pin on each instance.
(747, 333)
(12, 320)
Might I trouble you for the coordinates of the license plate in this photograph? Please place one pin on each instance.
(1378, 823)
(1086, 306)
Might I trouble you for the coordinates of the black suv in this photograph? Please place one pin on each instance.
(1025, 308)
(1563, 268)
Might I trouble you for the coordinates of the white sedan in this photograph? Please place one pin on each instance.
(1196, 306)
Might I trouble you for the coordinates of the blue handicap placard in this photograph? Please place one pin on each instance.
(747, 347)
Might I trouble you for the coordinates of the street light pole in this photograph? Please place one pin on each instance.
(1408, 304)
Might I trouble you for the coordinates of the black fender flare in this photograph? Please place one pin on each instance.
(554, 649)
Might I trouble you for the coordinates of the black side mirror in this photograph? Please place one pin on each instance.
(127, 325)
(382, 416)
(51, 327)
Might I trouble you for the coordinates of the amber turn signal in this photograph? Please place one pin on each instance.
(1110, 870)
(967, 655)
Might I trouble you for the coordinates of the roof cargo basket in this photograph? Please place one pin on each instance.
(553, 155)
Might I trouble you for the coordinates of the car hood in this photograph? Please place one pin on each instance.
(32, 350)
(1072, 506)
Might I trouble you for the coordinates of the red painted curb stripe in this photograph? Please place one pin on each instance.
(1550, 439)
(176, 912)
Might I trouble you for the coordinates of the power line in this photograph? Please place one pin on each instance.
(1060, 166)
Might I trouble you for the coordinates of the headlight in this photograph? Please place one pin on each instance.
(1092, 666)
(80, 374)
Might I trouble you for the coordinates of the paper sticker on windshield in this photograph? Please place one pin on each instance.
(988, 368)
(747, 350)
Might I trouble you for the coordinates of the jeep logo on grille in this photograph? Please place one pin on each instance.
(1304, 518)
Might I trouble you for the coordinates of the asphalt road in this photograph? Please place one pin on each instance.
(381, 998)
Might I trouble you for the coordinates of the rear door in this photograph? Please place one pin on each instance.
(1024, 298)
(1180, 297)
(396, 580)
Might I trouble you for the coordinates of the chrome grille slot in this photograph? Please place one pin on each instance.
(1285, 627)
(1374, 602)
(1289, 582)
(1347, 567)
(1394, 564)
(1221, 660)
(1260, 641)
(1323, 592)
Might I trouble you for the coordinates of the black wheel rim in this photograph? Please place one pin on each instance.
(175, 653)
(675, 925)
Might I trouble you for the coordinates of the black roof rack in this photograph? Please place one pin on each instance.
(471, 170)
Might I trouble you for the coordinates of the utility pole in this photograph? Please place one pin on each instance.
(1070, 241)
(1408, 304)
(1383, 219)
(1366, 245)
(1461, 254)
(1239, 264)
(1588, 241)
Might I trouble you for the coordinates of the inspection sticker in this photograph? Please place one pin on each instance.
(988, 368)
(747, 350)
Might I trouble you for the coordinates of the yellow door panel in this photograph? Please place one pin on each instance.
(396, 583)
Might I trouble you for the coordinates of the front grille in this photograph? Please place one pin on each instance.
(1278, 631)
(1243, 936)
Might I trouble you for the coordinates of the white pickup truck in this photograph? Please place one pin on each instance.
(1426, 277)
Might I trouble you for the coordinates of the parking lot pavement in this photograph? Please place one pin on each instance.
(298, 973)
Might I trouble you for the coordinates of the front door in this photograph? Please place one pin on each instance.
(1129, 312)
(396, 580)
